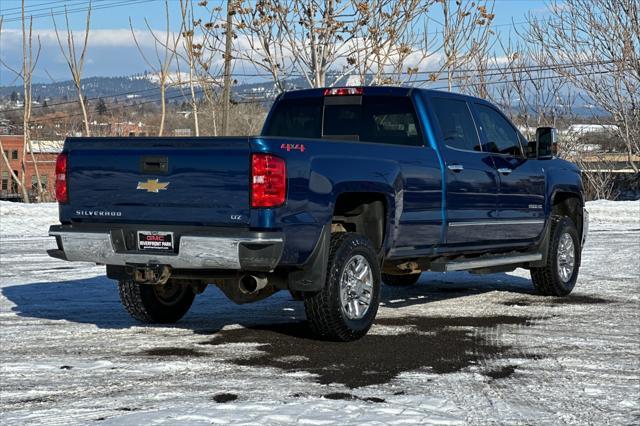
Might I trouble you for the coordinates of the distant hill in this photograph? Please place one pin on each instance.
(93, 87)
(144, 88)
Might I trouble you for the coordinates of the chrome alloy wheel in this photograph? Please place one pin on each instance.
(356, 287)
(566, 257)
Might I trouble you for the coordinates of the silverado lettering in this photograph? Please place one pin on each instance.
(400, 181)
(97, 213)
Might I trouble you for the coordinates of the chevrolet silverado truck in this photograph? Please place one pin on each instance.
(345, 188)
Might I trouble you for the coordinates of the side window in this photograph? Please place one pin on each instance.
(456, 124)
(502, 138)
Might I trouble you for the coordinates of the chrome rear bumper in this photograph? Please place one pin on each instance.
(194, 252)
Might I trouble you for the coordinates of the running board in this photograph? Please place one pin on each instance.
(483, 262)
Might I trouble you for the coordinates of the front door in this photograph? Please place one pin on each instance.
(522, 181)
(471, 178)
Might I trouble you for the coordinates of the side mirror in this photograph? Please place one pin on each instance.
(546, 142)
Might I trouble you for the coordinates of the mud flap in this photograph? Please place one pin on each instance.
(313, 275)
(543, 245)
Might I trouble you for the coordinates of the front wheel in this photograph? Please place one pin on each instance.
(345, 308)
(153, 304)
(558, 277)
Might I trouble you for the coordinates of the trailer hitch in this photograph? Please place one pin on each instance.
(151, 274)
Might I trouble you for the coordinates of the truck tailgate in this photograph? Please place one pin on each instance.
(159, 180)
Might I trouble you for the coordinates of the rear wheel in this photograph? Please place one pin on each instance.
(400, 280)
(558, 277)
(345, 308)
(151, 304)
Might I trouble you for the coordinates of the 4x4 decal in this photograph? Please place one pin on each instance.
(293, 146)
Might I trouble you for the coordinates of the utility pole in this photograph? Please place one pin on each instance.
(226, 89)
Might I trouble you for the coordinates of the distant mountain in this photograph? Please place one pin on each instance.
(139, 87)
(144, 88)
(93, 87)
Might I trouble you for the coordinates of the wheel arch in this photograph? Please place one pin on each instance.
(569, 204)
(365, 213)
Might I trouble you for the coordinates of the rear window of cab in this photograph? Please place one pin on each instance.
(377, 119)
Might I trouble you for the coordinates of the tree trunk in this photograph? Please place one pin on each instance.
(226, 90)
(163, 104)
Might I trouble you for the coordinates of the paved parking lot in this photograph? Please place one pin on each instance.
(455, 349)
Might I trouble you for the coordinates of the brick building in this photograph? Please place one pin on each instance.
(45, 153)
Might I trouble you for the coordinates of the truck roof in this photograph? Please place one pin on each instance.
(371, 91)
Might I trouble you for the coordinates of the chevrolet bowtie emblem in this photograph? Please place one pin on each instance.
(152, 185)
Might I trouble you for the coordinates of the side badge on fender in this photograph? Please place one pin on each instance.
(152, 185)
(293, 146)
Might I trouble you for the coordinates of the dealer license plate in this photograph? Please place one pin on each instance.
(155, 241)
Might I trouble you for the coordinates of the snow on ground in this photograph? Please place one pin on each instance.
(26, 220)
(614, 214)
(455, 349)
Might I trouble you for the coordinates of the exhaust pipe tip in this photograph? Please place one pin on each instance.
(250, 284)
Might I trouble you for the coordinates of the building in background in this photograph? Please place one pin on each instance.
(45, 153)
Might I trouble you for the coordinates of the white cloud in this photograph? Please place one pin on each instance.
(109, 52)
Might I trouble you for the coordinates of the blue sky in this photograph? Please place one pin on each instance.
(111, 50)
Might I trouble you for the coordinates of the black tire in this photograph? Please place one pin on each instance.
(547, 280)
(154, 304)
(400, 280)
(324, 309)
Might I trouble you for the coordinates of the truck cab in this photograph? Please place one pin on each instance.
(344, 189)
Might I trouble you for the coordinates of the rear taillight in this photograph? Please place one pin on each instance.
(268, 181)
(62, 191)
(344, 91)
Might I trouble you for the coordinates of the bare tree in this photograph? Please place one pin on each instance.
(466, 31)
(75, 63)
(263, 39)
(29, 62)
(165, 50)
(597, 166)
(248, 118)
(532, 93)
(212, 40)
(191, 50)
(226, 87)
(318, 33)
(391, 40)
(601, 38)
(308, 37)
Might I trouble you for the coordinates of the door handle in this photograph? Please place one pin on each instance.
(154, 164)
(455, 167)
(504, 170)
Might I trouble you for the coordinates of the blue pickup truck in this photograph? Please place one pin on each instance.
(344, 189)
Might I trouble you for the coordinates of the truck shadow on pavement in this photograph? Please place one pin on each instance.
(96, 301)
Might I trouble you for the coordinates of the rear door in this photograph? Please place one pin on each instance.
(159, 180)
(522, 181)
(471, 178)
(380, 123)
